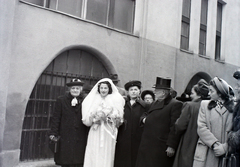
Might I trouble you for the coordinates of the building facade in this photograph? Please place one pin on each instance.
(45, 43)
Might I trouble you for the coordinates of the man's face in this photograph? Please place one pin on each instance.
(161, 94)
(134, 92)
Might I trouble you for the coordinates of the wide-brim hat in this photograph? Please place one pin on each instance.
(75, 82)
(236, 74)
(145, 92)
(162, 83)
(133, 83)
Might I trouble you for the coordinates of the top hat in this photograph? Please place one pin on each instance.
(113, 77)
(236, 74)
(75, 82)
(133, 83)
(162, 83)
(145, 92)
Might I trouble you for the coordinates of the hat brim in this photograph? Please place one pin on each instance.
(161, 87)
(75, 84)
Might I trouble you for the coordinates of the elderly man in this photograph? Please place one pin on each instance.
(159, 141)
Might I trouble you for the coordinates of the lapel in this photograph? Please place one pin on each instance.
(220, 110)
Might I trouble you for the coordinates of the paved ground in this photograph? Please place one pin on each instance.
(40, 163)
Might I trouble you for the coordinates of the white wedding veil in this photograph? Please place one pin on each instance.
(93, 100)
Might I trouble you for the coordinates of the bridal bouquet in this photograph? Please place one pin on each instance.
(106, 114)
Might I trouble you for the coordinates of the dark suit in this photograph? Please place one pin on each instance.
(159, 133)
(129, 134)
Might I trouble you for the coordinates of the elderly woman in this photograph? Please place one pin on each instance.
(214, 123)
(67, 127)
(102, 110)
(148, 96)
(186, 125)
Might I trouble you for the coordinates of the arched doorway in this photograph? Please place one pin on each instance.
(69, 64)
(195, 79)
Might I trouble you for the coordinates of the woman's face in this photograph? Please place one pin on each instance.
(75, 90)
(194, 95)
(134, 92)
(148, 98)
(213, 93)
(103, 89)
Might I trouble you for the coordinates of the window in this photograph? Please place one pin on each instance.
(185, 24)
(203, 27)
(117, 14)
(218, 32)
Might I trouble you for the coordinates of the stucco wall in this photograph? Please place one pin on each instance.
(36, 36)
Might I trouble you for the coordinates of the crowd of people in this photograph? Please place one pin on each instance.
(108, 126)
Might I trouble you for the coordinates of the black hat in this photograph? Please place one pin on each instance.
(133, 83)
(184, 97)
(113, 77)
(236, 74)
(75, 82)
(87, 88)
(145, 92)
(162, 83)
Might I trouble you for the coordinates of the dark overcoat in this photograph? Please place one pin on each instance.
(129, 134)
(234, 136)
(159, 133)
(67, 123)
(186, 125)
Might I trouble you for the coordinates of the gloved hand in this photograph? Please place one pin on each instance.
(219, 150)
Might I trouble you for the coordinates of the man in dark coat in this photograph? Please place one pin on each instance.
(67, 128)
(130, 132)
(159, 141)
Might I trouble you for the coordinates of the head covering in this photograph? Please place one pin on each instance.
(162, 83)
(87, 88)
(145, 92)
(133, 83)
(75, 82)
(222, 86)
(236, 74)
(184, 97)
(94, 99)
(114, 77)
(203, 88)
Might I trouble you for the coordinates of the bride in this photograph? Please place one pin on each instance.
(102, 109)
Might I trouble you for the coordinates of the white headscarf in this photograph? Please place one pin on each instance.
(94, 99)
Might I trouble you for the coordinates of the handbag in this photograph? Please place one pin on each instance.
(54, 145)
(229, 161)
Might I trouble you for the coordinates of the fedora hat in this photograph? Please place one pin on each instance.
(75, 82)
(162, 83)
(133, 83)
